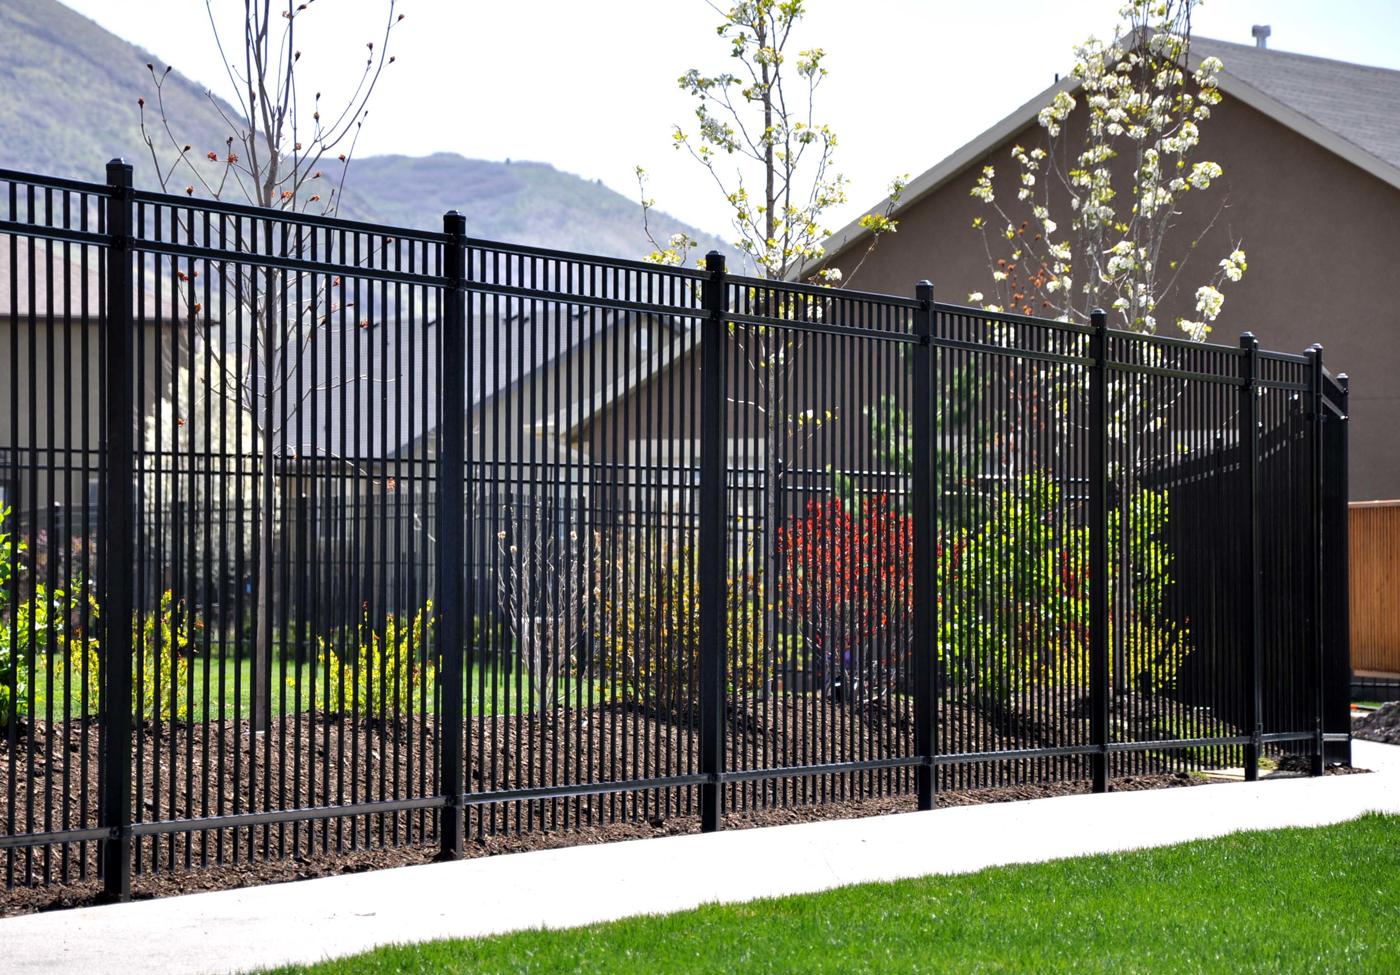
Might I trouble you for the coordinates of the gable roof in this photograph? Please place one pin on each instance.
(1348, 109)
(376, 388)
(1357, 102)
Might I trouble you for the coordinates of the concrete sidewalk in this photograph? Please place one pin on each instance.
(238, 930)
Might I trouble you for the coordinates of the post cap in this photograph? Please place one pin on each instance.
(714, 261)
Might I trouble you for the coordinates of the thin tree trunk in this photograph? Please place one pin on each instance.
(262, 652)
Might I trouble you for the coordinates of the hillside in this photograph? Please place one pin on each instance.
(70, 91)
(522, 202)
(69, 104)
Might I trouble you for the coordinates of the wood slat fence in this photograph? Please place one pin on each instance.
(1375, 587)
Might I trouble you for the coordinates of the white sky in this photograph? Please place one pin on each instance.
(590, 87)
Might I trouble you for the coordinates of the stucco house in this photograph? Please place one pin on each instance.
(1311, 153)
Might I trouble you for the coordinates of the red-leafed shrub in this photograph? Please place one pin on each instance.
(847, 589)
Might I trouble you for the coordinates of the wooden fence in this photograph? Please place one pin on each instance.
(1375, 587)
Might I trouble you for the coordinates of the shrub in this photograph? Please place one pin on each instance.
(386, 670)
(847, 589)
(648, 624)
(161, 647)
(47, 627)
(542, 584)
(1015, 607)
(161, 643)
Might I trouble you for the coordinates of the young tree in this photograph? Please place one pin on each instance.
(286, 152)
(758, 138)
(1092, 224)
(1122, 166)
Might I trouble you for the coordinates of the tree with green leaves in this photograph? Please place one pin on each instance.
(1092, 218)
(758, 138)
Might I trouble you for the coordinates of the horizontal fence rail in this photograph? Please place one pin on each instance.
(321, 537)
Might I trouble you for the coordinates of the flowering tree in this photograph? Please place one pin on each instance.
(1123, 165)
(758, 140)
(1123, 157)
(285, 152)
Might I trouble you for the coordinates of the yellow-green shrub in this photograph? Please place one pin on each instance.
(386, 670)
(647, 624)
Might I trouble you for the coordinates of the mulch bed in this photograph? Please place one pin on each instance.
(314, 759)
(1302, 765)
(1382, 724)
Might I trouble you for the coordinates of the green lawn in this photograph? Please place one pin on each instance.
(498, 688)
(1298, 900)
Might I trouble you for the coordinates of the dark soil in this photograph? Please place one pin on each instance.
(1303, 764)
(25, 900)
(192, 771)
(1382, 724)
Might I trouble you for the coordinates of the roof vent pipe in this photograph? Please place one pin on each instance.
(1261, 34)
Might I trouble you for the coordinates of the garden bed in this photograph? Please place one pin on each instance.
(317, 760)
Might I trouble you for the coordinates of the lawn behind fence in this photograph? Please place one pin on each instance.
(1292, 900)
(493, 691)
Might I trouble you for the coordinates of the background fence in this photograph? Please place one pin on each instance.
(1375, 572)
(391, 537)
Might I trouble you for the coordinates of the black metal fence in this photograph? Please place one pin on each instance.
(322, 536)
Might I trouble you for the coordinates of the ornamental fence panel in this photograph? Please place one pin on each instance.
(322, 537)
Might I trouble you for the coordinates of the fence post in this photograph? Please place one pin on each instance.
(453, 603)
(925, 579)
(118, 537)
(1317, 407)
(1251, 596)
(713, 423)
(1338, 718)
(1098, 548)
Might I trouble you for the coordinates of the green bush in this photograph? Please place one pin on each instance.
(385, 670)
(47, 627)
(161, 650)
(648, 625)
(51, 630)
(1015, 607)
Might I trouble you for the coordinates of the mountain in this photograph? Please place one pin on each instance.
(521, 202)
(68, 92)
(68, 103)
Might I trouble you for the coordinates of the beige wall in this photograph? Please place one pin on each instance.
(60, 408)
(834, 376)
(1321, 237)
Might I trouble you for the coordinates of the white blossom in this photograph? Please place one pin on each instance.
(1208, 302)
